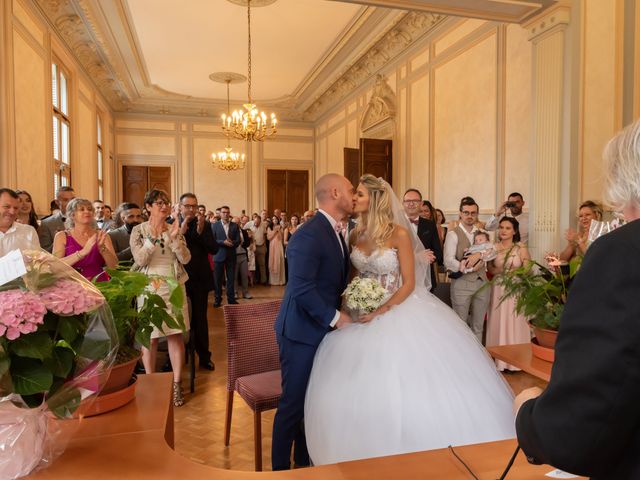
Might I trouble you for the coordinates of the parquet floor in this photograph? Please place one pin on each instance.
(199, 424)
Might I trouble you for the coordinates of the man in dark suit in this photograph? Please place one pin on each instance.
(227, 236)
(587, 421)
(199, 237)
(120, 237)
(318, 274)
(55, 223)
(426, 230)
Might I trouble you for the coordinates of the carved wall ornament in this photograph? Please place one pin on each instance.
(381, 107)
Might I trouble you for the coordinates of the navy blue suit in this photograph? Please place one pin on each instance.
(225, 259)
(318, 274)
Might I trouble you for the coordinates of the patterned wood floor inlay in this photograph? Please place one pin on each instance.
(199, 424)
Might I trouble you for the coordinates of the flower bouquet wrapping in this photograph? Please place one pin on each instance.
(363, 295)
(57, 345)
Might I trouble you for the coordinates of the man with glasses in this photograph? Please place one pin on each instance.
(199, 237)
(466, 280)
(425, 229)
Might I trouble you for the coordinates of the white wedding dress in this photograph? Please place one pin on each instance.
(414, 378)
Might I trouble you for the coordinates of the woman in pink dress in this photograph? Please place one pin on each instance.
(276, 253)
(83, 245)
(504, 326)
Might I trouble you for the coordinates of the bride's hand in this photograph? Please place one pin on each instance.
(370, 316)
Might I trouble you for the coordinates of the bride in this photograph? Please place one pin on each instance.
(409, 376)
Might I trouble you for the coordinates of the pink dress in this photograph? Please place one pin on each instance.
(276, 259)
(504, 327)
(90, 266)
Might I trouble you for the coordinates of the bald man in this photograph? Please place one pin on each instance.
(318, 273)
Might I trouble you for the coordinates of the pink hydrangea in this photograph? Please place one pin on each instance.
(66, 297)
(20, 313)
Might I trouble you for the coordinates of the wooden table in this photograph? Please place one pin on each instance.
(131, 443)
(520, 356)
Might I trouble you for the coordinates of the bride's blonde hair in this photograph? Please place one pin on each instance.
(378, 222)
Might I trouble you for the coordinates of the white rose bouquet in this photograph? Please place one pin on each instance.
(364, 295)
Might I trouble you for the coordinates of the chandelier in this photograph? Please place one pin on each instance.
(250, 125)
(228, 159)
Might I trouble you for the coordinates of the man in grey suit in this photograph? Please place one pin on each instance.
(131, 216)
(55, 223)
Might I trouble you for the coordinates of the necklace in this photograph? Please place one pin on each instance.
(157, 241)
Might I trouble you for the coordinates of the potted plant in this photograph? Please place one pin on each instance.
(540, 294)
(57, 344)
(123, 292)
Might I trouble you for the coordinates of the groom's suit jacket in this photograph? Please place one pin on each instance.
(318, 274)
(587, 421)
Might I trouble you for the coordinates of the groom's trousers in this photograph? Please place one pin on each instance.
(296, 360)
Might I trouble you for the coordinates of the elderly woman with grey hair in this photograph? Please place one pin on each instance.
(587, 421)
(82, 245)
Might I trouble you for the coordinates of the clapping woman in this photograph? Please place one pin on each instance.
(159, 248)
(82, 245)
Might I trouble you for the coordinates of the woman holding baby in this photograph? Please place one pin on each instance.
(504, 326)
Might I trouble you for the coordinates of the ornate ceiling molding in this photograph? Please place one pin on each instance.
(412, 27)
(87, 28)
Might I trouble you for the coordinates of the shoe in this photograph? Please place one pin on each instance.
(217, 304)
(247, 296)
(208, 365)
(177, 396)
(232, 302)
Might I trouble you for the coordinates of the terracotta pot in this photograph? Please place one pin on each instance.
(546, 338)
(104, 403)
(543, 353)
(120, 377)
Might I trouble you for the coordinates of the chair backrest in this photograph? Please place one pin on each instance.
(251, 339)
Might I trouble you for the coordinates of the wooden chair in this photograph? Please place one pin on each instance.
(253, 364)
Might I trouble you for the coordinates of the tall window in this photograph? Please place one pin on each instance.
(100, 158)
(61, 127)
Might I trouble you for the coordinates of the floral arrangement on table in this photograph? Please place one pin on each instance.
(363, 295)
(57, 345)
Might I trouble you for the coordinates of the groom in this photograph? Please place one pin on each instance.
(318, 272)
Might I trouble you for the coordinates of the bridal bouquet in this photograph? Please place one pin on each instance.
(364, 295)
(57, 344)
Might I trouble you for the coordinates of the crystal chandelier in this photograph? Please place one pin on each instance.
(228, 159)
(250, 125)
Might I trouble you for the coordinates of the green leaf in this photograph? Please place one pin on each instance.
(33, 345)
(30, 376)
(68, 328)
(94, 348)
(61, 362)
(143, 335)
(5, 363)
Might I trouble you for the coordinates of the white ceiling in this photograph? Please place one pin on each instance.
(183, 42)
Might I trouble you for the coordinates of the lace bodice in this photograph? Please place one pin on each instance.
(382, 264)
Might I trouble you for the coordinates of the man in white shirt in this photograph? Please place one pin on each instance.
(470, 304)
(14, 235)
(512, 208)
(259, 230)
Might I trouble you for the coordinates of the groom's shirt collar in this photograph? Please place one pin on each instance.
(332, 220)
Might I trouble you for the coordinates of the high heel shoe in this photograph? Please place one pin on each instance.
(178, 397)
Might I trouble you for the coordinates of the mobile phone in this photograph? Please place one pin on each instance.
(510, 204)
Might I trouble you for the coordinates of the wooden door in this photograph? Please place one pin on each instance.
(288, 190)
(352, 168)
(377, 158)
(374, 156)
(137, 181)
